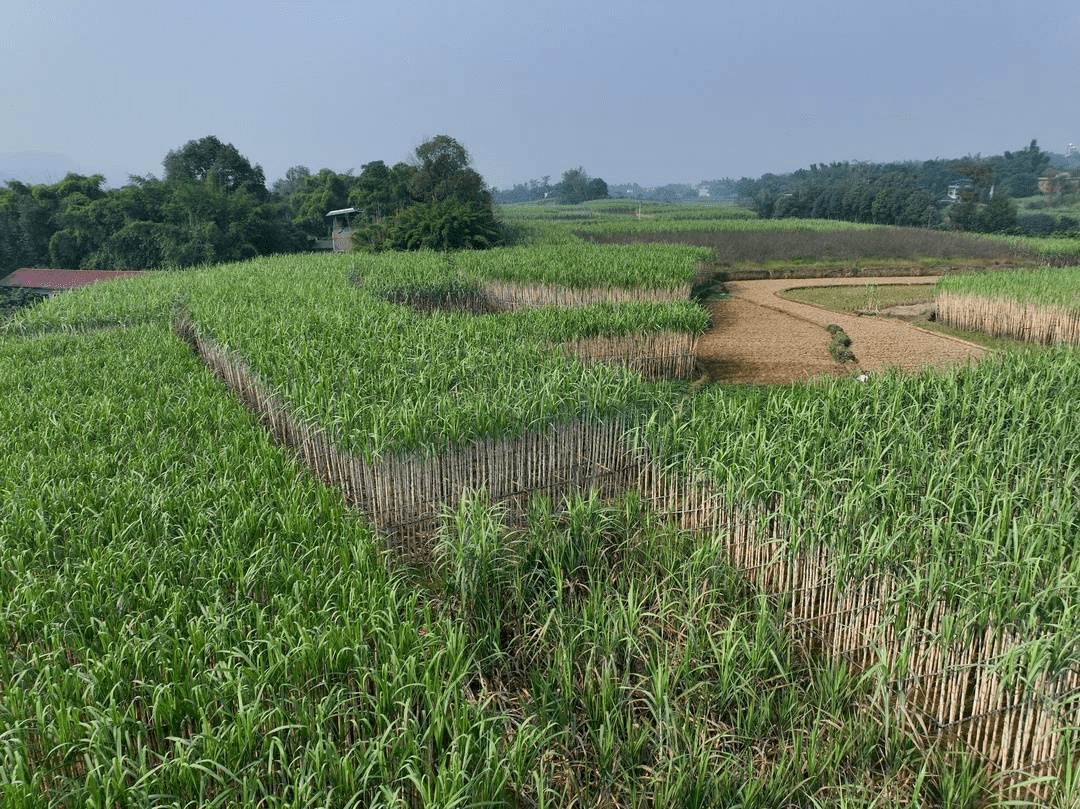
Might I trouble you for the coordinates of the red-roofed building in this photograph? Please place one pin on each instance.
(46, 282)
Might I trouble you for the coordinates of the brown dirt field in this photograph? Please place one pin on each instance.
(759, 338)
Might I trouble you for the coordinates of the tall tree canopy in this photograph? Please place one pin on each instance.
(438, 202)
(212, 205)
(210, 160)
(577, 186)
(382, 191)
(443, 172)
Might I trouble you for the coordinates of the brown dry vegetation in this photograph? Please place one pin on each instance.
(1045, 325)
(764, 246)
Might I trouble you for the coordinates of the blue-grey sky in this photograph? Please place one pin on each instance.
(633, 91)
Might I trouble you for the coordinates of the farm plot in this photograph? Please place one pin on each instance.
(405, 423)
(762, 338)
(187, 620)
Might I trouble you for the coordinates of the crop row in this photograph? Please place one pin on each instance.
(1040, 306)
(1046, 288)
(385, 379)
(186, 620)
(615, 225)
(1057, 251)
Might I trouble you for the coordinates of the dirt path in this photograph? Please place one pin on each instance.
(760, 338)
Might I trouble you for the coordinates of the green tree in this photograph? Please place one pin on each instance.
(443, 172)
(321, 193)
(381, 191)
(441, 202)
(574, 186)
(208, 160)
(999, 214)
(293, 181)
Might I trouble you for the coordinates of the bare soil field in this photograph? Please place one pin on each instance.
(759, 338)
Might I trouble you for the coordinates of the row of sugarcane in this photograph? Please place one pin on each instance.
(1002, 318)
(491, 297)
(924, 525)
(405, 495)
(387, 380)
(654, 355)
(1038, 306)
(186, 621)
(978, 690)
(510, 295)
(514, 278)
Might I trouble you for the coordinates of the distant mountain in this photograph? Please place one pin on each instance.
(34, 168)
(1068, 162)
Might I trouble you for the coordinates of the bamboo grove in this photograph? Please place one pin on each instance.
(615, 591)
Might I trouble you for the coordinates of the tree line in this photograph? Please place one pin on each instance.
(725, 189)
(576, 186)
(212, 205)
(911, 193)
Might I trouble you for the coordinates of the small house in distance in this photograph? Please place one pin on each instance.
(341, 230)
(958, 188)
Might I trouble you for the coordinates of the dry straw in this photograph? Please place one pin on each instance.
(1046, 325)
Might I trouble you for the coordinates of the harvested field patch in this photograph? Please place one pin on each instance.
(759, 337)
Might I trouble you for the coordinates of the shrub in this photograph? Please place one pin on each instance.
(441, 225)
(840, 345)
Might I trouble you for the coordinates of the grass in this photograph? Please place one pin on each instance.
(855, 298)
(979, 338)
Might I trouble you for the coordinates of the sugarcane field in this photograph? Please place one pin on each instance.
(660, 505)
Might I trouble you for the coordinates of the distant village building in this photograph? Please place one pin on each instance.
(958, 188)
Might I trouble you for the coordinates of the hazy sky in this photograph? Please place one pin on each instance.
(649, 92)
